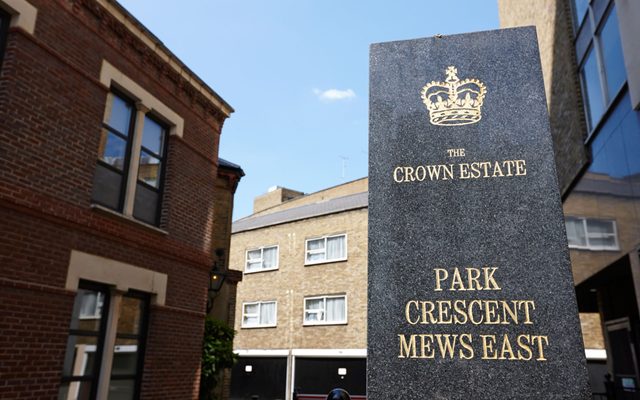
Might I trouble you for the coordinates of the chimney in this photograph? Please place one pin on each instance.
(275, 195)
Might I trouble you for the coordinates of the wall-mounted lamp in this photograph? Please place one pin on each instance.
(216, 278)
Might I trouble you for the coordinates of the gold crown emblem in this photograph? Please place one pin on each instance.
(454, 102)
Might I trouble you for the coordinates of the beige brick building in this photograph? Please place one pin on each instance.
(301, 310)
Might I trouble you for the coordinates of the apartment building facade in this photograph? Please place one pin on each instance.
(110, 189)
(301, 308)
(591, 64)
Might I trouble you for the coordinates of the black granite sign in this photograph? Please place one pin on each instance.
(470, 289)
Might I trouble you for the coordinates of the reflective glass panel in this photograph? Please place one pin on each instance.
(149, 170)
(79, 360)
(336, 310)
(120, 116)
(92, 303)
(254, 260)
(145, 207)
(315, 250)
(121, 389)
(315, 244)
(336, 247)
(270, 257)
(591, 84)
(612, 55)
(87, 310)
(575, 232)
(580, 8)
(152, 136)
(78, 390)
(106, 187)
(125, 357)
(601, 233)
(268, 313)
(315, 304)
(251, 308)
(250, 320)
(315, 257)
(254, 255)
(131, 310)
(112, 149)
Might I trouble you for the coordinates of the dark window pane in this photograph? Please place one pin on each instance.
(146, 204)
(112, 149)
(149, 170)
(612, 55)
(120, 115)
(121, 389)
(106, 187)
(5, 19)
(152, 136)
(593, 89)
(79, 360)
(131, 310)
(125, 357)
(580, 9)
(78, 390)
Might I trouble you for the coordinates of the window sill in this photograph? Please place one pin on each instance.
(261, 270)
(609, 249)
(258, 326)
(108, 211)
(307, 264)
(324, 323)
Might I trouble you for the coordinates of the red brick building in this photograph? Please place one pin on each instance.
(109, 205)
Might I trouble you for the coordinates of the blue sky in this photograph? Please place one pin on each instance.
(296, 72)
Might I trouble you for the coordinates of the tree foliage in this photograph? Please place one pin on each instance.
(217, 354)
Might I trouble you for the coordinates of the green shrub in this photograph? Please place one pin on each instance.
(217, 354)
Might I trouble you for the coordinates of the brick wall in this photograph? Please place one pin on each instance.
(293, 281)
(622, 210)
(51, 108)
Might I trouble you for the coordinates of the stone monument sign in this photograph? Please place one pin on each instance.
(470, 289)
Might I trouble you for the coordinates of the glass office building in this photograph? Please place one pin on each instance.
(602, 207)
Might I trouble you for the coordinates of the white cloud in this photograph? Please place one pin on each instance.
(334, 94)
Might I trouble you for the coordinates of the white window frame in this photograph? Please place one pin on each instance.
(262, 248)
(588, 246)
(324, 310)
(258, 325)
(324, 250)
